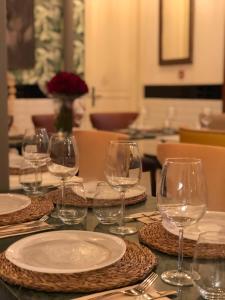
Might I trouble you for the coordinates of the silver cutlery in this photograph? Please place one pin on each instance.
(140, 289)
(23, 225)
(26, 230)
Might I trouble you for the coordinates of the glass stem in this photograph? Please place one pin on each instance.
(122, 199)
(60, 204)
(36, 178)
(180, 250)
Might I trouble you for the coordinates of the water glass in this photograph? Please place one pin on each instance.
(73, 208)
(208, 268)
(205, 117)
(181, 200)
(30, 177)
(106, 204)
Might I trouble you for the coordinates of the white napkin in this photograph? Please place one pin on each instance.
(146, 217)
(20, 229)
(151, 292)
(47, 180)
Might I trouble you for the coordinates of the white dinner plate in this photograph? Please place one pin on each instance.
(10, 203)
(67, 251)
(211, 221)
(90, 190)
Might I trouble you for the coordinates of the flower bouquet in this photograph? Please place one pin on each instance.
(66, 87)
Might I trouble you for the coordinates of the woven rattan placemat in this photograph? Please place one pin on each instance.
(39, 207)
(134, 266)
(157, 237)
(71, 198)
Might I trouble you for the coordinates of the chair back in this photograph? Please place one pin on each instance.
(44, 121)
(217, 122)
(202, 136)
(92, 145)
(213, 159)
(112, 121)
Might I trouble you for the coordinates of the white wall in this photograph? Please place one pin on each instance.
(23, 109)
(207, 66)
(208, 52)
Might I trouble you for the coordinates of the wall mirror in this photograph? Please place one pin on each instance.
(175, 31)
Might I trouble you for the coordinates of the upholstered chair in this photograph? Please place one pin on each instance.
(92, 145)
(112, 121)
(202, 136)
(213, 159)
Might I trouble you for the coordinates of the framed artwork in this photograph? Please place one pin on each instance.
(176, 31)
(20, 34)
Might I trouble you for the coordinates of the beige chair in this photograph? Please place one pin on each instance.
(93, 146)
(213, 159)
(202, 136)
(217, 122)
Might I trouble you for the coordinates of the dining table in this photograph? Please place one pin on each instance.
(165, 261)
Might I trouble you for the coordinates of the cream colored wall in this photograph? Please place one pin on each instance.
(208, 55)
(207, 67)
(22, 111)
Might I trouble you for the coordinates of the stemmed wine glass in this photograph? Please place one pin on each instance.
(123, 171)
(205, 117)
(181, 200)
(35, 150)
(63, 160)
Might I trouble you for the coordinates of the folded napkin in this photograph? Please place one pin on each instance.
(151, 291)
(47, 180)
(146, 217)
(19, 229)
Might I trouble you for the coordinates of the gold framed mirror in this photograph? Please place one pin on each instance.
(176, 31)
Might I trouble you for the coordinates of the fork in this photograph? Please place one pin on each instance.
(140, 289)
(26, 224)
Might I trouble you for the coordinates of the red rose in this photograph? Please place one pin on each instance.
(67, 83)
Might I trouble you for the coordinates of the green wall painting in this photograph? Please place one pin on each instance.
(48, 24)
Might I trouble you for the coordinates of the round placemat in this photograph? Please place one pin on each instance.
(157, 237)
(71, 198)
(39, 207)
(134, 266)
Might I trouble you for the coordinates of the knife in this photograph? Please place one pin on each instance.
(162, 294)
(145, 295)
(26, 230)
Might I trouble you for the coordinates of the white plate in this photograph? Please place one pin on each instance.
(10, 203)
(212, 221)
(90, 190)
(67, 251)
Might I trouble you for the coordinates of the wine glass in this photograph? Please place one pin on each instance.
(181, 200)
(169, 120)
(123, 171)
(63, 160)
(35, 150)
(205, 117)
